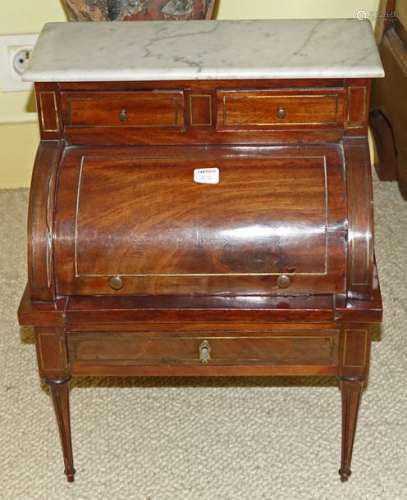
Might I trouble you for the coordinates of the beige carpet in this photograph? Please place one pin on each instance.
(214, 439)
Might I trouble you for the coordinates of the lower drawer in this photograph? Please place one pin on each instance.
(318, 348)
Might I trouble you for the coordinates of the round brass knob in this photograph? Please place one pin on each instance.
(281, 112)
(116, 283)
(123, 115)
(283, 281)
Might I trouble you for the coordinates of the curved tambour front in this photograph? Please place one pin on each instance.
(202, 221)
(243, 261)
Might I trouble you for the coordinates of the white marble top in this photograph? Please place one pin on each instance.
(199, 50)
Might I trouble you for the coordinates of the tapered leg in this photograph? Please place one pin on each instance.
(60, 398)
(351, 395)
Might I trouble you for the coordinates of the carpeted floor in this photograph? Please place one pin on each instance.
(213, 439)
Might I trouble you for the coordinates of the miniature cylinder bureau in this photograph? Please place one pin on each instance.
(201, 204)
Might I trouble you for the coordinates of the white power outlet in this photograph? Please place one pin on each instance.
(21, 59)
(15, 53)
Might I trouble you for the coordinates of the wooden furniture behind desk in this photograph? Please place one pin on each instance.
(388, 117)
(263, 266)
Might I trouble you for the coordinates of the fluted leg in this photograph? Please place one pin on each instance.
(351, 395)
(60, 398)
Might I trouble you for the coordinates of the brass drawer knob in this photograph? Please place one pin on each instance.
(283, 281)
(123, 115)
(116, 283)
(281, 112)
(204, 352)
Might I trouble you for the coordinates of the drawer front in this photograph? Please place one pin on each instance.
(151, 109)
(318, 348)
(271, 109)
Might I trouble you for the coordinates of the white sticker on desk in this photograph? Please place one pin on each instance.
(206, 175)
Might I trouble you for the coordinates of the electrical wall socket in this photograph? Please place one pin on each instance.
(15, 53)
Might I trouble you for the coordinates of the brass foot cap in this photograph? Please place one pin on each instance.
(70, 476)
(345, 474)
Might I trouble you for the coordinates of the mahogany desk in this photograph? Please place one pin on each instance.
(202, 208)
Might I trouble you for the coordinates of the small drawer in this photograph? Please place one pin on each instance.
(153, 109)
(274, 109)
(280, 348)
